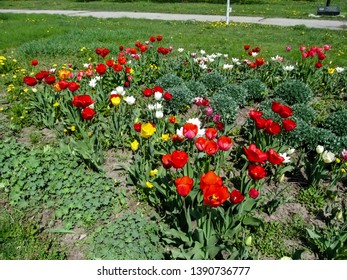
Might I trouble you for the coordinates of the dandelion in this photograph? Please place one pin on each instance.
(55, 104)
(134, 145)
(72, 128)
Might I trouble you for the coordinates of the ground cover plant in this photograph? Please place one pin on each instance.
(136, 140)
(263, 8)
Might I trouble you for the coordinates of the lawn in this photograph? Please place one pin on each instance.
(268, 8)
(177, 140)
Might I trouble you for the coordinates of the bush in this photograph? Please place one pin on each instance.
(225, 105)
(213, 81)
(197, 88)
(256, 90)
(336, 122)
(293, 92)
(236, 92)
(181, 98)
(304, 112)
(169, 80)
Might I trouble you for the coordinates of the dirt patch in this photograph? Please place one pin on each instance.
(31, 135)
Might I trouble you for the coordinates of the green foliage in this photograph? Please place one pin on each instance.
(293, 91)
(182, 98)
(336, 122)
(213, 81)
(225, 105)
(256, 90)
(237, 93)
(313, 198)
(271, 240)
(197, 88)
(22, 239)
(329, 243)
(51, 179)
(169, 81)
(129, 237)
(304, 112)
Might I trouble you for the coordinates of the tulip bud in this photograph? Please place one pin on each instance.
(248, 241)
(339, 215)
(319, 149)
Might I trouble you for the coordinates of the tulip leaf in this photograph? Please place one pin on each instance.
(251, 221)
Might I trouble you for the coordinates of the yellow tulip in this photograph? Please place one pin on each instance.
(165, 137)
(149, 185)
(147, 130)
(115, 101)
(134, 145)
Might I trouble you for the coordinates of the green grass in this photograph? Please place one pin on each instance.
(21, 239)
(263, 8)
(61, 37)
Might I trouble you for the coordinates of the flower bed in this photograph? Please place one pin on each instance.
(210, 174)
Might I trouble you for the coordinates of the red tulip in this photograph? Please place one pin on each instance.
(88, 113)
(100, 69)
(63, 84)
(274, 157)
(50, 80)
(167, 96)
(30, 81)
(178, 159)
(253, 193)
(73, 86)
(276, 106)
(184, 185)
(288, 125)
(200, 143)
(211, 133)
(256, 172)
(224, 143)
(82, 101)
(211, 147)
(260, 123)
(210, 178)
(254, 114)
(147, 92)
(137, 127)
(254, 154)
(190, 130)
(236, 197)
(166, 161)
(34, 62)
(215, 196)
(272, 127)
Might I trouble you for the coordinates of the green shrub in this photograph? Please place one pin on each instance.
(304, 112)
(336, 122)
(256, 90)
(293, 91)
(236, 92)
(130, 237)
(182, 97)
(225, 105)
(168, 81)
(213, 81)
(197, 88)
